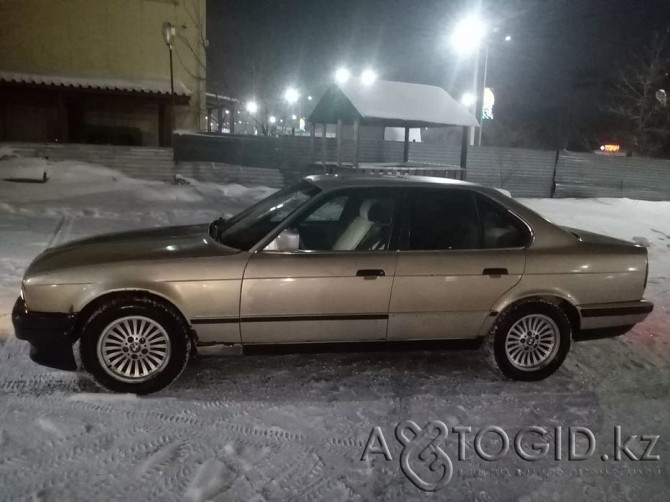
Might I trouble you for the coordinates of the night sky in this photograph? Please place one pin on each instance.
(560, 59)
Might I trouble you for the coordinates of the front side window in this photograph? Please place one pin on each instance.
(251, 225)
(350, 220)
(442, 219)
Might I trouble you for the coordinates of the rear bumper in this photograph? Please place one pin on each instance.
(611, 319)
(49, 335)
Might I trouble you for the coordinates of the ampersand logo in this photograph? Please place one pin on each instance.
(424, 446)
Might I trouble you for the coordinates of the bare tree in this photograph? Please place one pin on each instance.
(646, 119)
(195, 62)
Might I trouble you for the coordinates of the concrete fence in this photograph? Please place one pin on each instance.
(253, 160)
(524, 172)
(149, 163)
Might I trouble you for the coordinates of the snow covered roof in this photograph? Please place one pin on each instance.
(144, 85)
(389, 103)
(220, 97)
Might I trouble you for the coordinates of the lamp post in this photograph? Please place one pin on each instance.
(291, 96)
(470, 35)
(466, 39)
(168, 37)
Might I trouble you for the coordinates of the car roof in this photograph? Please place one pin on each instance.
(331, 181)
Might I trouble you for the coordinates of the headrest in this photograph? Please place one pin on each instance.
(377, 211)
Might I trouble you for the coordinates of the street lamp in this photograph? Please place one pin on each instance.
(468, 35)
(368, 77)
(466, 39)
(291, 95)
(252, 107)
(468, 99)
(168, 37)
(342, 75)
(272, 119)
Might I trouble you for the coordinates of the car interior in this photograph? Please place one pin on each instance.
(363, 221)
(348, 224)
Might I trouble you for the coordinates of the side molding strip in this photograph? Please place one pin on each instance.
(334, 317)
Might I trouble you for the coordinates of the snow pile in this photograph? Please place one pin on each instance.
(6, 152)
(15, 168)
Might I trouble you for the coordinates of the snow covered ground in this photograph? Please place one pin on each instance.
(295, 426)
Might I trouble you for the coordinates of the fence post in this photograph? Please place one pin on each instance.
(553, 176)
(312, 134)
(405, 151)
(356, 143)
(464, 152)
(323, 143)
(338, 135)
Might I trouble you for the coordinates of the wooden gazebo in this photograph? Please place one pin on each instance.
(388, 104)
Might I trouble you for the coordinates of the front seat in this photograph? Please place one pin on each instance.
(369, 229)
(357, 229)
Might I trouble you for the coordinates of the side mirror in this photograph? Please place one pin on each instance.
(287, 240)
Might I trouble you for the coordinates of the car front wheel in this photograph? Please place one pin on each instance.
(530, 340)
(135, 345)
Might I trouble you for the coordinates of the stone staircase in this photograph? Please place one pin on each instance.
(150, 163)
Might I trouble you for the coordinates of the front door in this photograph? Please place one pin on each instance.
(461, 253)
(336, 284)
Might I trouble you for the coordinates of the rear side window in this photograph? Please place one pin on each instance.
(442, 219)
(500, 229)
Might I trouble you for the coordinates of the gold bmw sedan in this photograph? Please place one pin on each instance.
(333, 259)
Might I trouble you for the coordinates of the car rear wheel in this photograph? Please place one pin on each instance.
(135, 345)
(530, 340)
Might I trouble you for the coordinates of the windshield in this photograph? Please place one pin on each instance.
(248, 227)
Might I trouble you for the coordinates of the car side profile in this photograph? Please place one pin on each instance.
(333, 259)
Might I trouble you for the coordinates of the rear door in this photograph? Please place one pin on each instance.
(460, 251)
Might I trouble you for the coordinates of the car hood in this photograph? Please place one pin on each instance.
(188, 241)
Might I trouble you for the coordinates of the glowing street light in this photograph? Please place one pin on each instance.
(272, 119)
(291, 95)
(342, 75)
(468, 99)
(508, 38)
(252, 107)
(468, 35)
(368, 77)
(294, 117)
(309, 98)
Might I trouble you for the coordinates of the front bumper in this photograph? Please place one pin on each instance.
(611, 319)
(49, 335)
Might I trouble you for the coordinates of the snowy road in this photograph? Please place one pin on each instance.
(294, 427)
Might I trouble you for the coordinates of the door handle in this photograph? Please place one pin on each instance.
(370, 272)
(494, 271)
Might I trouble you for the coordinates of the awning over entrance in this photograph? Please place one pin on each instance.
(152, 86)
(78, 109)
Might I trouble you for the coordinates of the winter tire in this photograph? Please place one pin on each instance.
(136, 345)
(530, 340)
